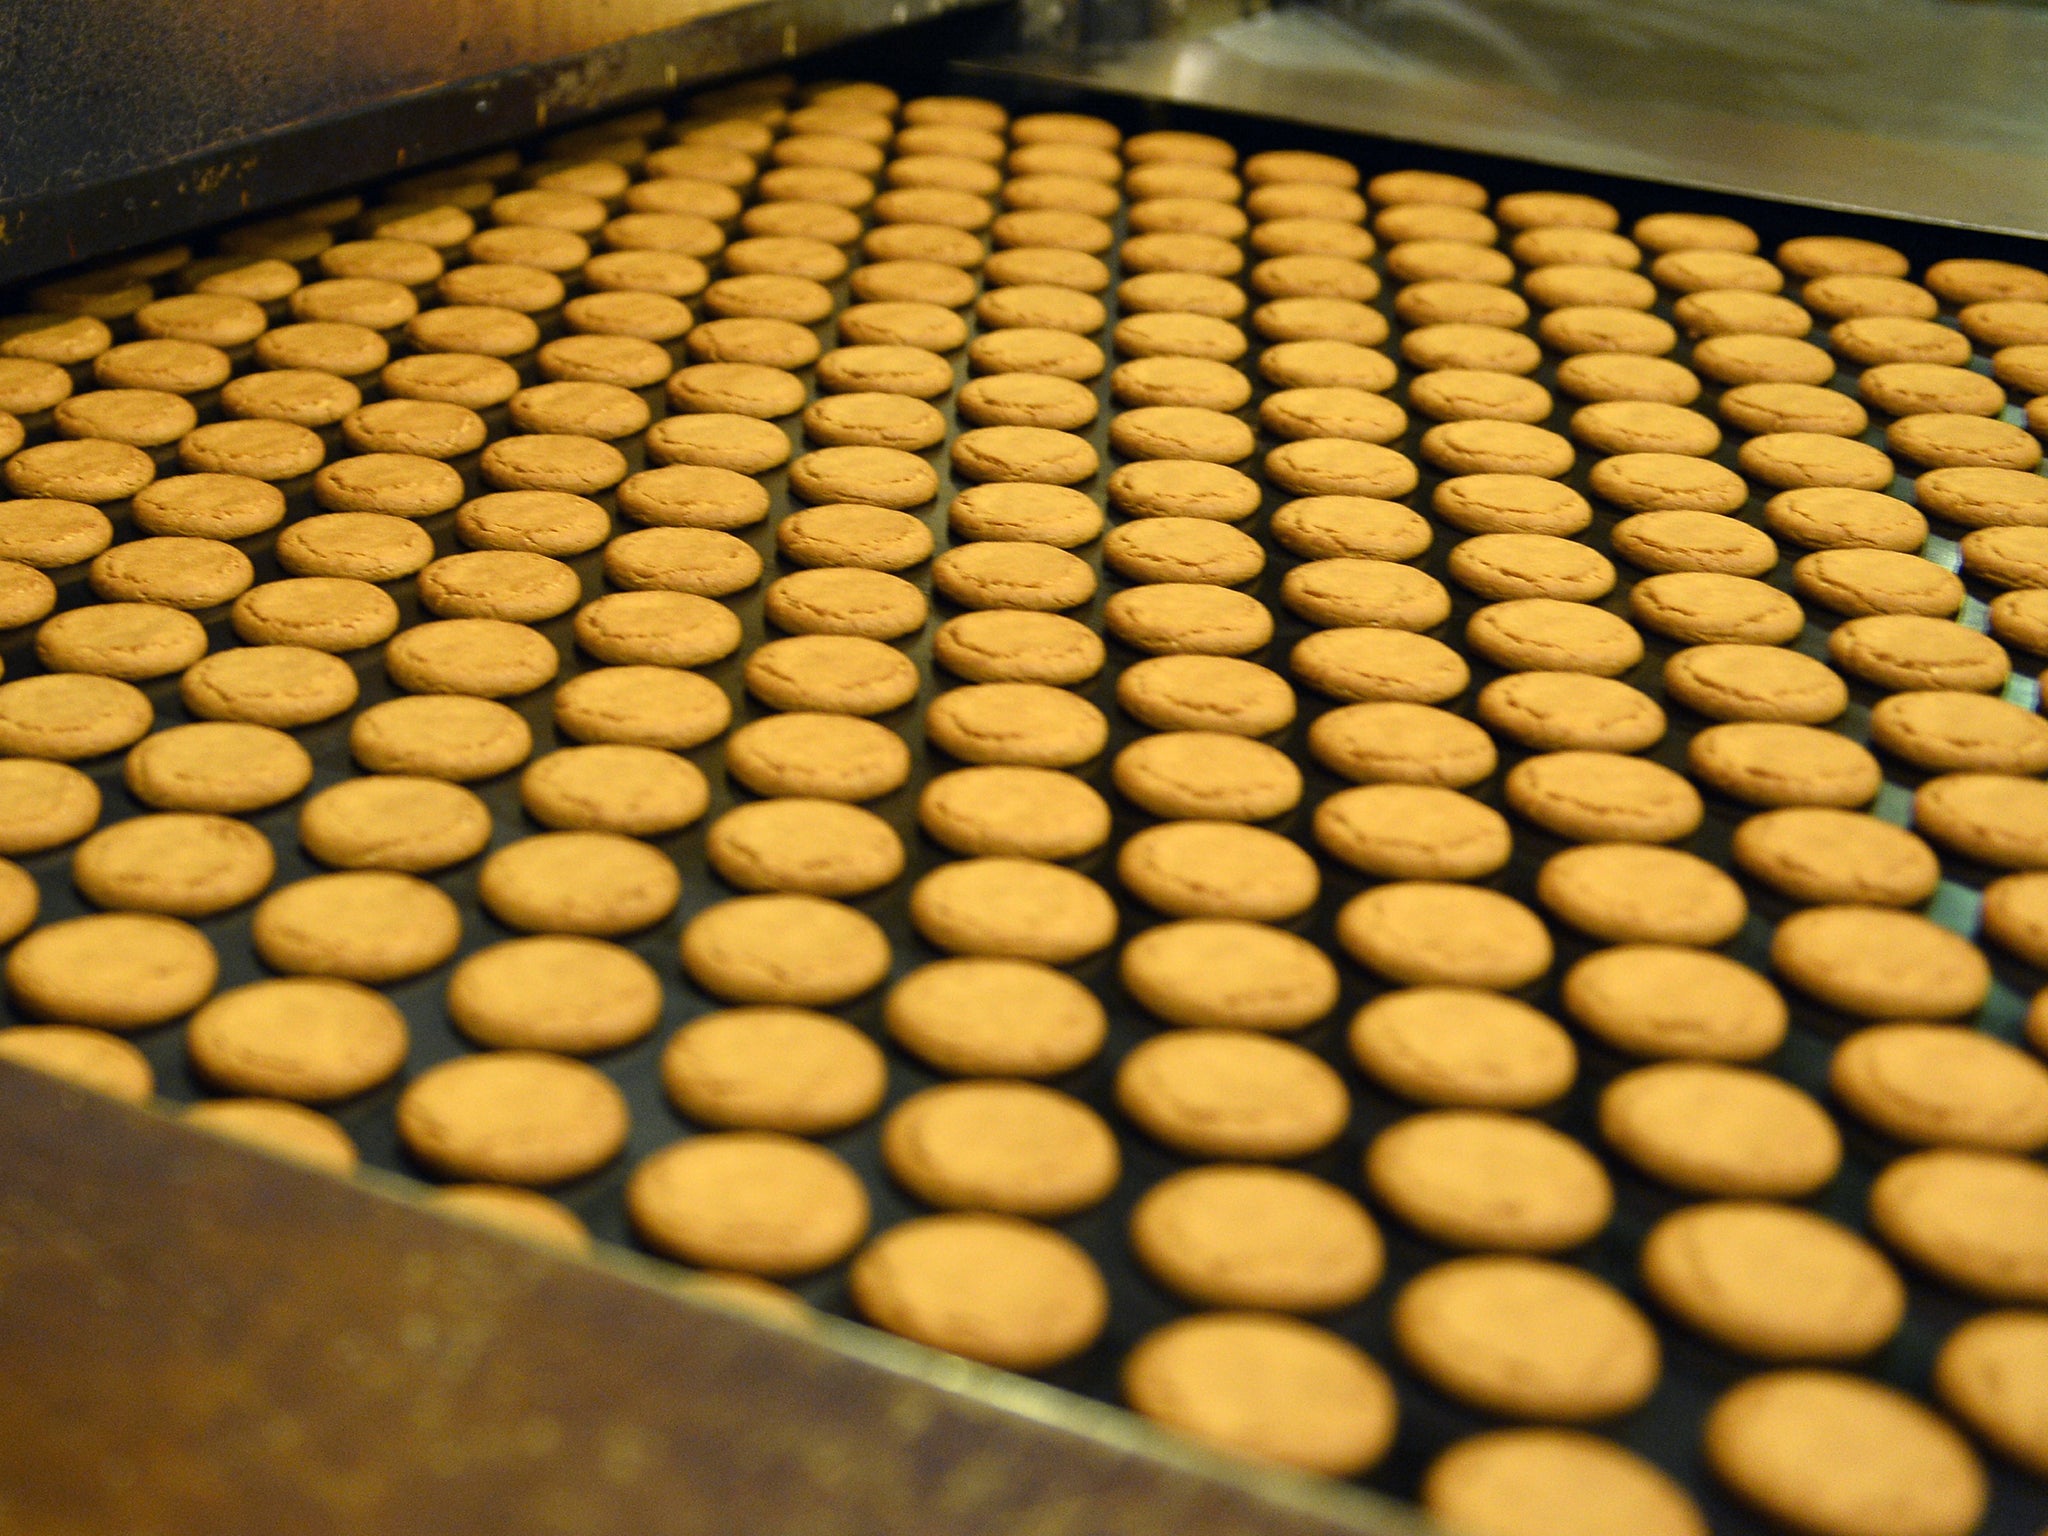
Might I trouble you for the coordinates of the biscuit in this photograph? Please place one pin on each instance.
(1435, 933)
(1873, 962)
(514, 585)
(1989, 1375)
(993, 1288)
(1751, 682)
(54, 533)
(773, 1069)
(26, 594)
(1185, 335)
(179, 573)
(513, 1117)
(1185, 271)
(627, 788)
(401, 484)
(71, 716)
(1547, 634)
(132, 640)
(1016, 908)
(413, 824)
(180, 367)
(1456, 1046)
(1365, 593)
(1555, 711)
(1474, 394)
(1694, 541)
(289, 1131)
(1426, 258)
(514, 1212)
(1819, 856)
(1406, 831)
(1035, 454)
(1015, 1148)
(1333, 466)
(1030, 813)
(486, 658)
(1207, 774)
(702, 561)
(1995, 819)
(1825, 517)
(598, 883)
(1600, 289)
(1709, 1129)
(1527, 1338)
(1941, 1085)
(1879, 339)
(1972, 1218)
(1774, 1282)
(1268, 1388)
(1771, 764)
(371, 926)
(867, 538)
(554, 992)
(1358, 664)
(1190, 488)
(895, 282)
(1771, 408)
(1712, 607)
(361, 546)
(983, 1016)
(1179, 381)
(1183, 549)
(1447, 301)
(695, 496)
(181, 865)
(1268, 1238)
(1206, 693)
(1795, 459)
(444, 737)
(1335, 527)
(1580, 328)
(1979, 497)
(1229, 973)
(1188, 617)
(1230, 1093)
(1901, 652)
(1600, 376)
(1013, 574)
(1664, 1001)
(1504, 566)
(845, 601)
(1603, 797)
(784, 948)
(1028, 724)
(725, 441)
(44, 805)
(1058, 354)
(2013, 916)
(1218, 869)
(1475, 1178)
(816, 846)
(85, 1058)
(1630, 893)
(1493, 503)
(1516, 1482)
(218, 766)
(111, 970)
(1695, 271)
(646, 706)
(1669, 482)
(1002, 645)
(1325, 363)
(142, 418)
(306, 1039)
(1820, 1450)
(1182, 432)
(459, 378)
(1028, 400)
(20, 899)
(2008, 557)
(1023, 511)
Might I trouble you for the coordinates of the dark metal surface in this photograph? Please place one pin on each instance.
(133, 121)
(201, 1340)
(1916, 109)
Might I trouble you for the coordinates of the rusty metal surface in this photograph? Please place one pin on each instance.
(198, 1340)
